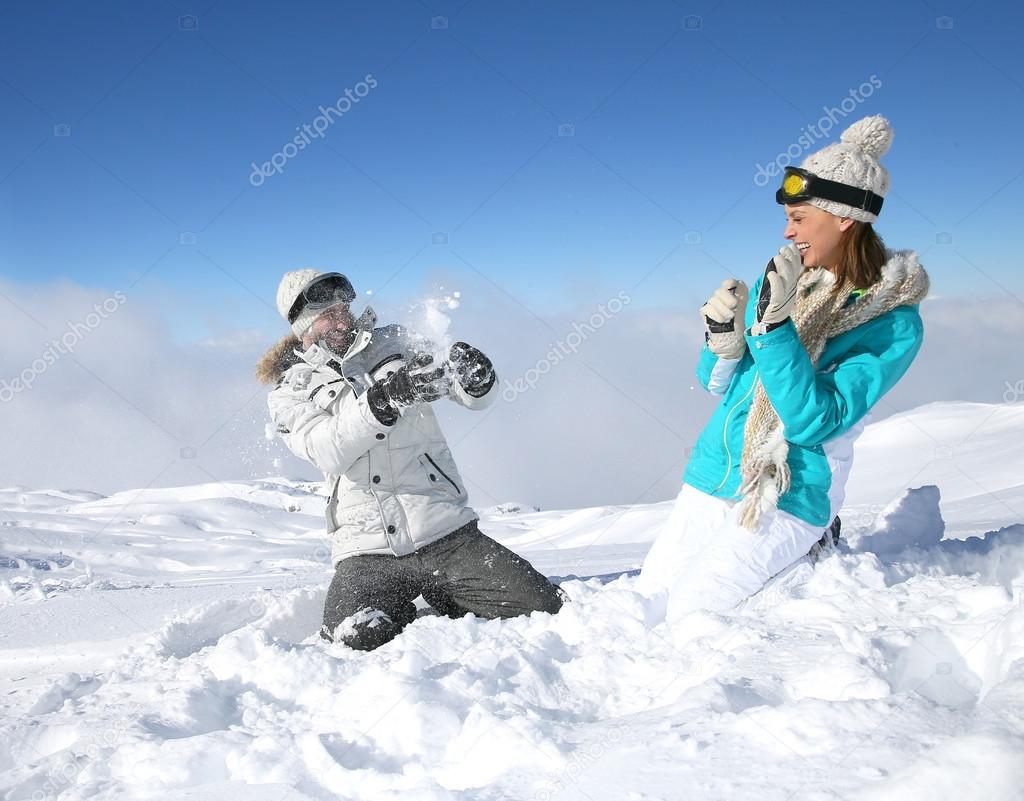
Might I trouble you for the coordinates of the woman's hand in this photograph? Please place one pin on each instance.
(778, 289)
(725, 339)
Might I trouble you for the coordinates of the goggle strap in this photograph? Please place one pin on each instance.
(833, 190)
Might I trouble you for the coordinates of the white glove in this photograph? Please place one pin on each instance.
(724, 337)
(778, 289)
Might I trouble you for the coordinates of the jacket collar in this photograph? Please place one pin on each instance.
(318, 356)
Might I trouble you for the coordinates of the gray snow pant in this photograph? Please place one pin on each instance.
(371, 595)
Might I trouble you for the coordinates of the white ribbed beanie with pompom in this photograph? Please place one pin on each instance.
(853, 160)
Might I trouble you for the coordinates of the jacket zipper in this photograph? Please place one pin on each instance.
(439, 470)
(332, 505)
(725, 431)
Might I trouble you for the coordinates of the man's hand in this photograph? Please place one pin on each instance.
(414, 383)
(472, 368)
(778, 289)
(724, 316)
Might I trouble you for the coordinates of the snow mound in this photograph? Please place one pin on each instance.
(913, 520)
(971, 451)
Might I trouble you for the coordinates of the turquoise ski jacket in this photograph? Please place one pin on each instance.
(822, 409)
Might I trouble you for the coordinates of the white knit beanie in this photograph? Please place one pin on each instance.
(853, 160)
(288, 290)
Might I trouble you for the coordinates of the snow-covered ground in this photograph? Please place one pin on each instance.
(161, 644)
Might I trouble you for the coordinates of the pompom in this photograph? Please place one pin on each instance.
(873, 135)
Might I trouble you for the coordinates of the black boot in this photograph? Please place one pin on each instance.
(828, 543)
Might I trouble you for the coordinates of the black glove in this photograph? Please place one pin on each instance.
(414, 383)
(472, 368)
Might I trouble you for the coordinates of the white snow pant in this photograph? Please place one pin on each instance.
(704, 559)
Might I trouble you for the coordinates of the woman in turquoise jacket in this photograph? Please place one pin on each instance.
(829, 327)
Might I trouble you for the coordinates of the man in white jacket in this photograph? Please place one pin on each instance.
(354, 400)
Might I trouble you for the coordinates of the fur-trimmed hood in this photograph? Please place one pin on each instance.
(903, 282)
(903, 276)
(276, 361)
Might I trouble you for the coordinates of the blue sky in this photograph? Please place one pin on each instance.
(565, 151)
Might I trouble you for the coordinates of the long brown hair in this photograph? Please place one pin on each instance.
(861, 256)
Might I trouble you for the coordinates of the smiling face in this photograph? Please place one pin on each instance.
(816, 232)
(333, 328)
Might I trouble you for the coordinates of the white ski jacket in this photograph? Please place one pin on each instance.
(391, 489)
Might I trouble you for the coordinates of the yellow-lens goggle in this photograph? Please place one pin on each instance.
(799, 185)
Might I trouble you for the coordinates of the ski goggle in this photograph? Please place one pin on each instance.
(799, 185)
(323, 291)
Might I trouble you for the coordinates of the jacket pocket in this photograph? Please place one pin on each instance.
(437, 475)
(809, 467)
(348, 502)
(350, 490)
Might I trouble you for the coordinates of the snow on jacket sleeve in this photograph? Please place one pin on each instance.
(714, 372)
(815, 407)
(331, 440)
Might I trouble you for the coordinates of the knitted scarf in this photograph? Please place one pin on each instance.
(819, 314)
